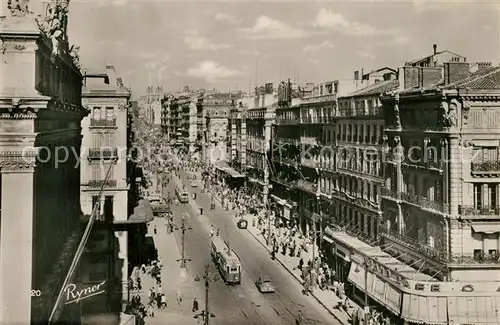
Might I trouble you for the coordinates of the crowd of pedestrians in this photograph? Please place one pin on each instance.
(286, 239)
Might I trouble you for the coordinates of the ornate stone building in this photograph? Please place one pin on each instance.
(40, 116)
(441, 198)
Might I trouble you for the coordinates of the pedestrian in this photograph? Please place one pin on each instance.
(163, 301)
(179, 297)
(154, 230)
(195, 305)
(151, 311)
(139, 286)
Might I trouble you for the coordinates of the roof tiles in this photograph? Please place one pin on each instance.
(377, 88)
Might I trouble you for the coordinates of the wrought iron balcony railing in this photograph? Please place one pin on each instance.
(99, 183)
(284, 181)
(103, 153)
(486, 166)
(414, 244)
(424, 202)
(385, 192)
(470, 210)
(482, 259)
(103, 123)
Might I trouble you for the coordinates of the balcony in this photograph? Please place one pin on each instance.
(99, 183)
(480, 259)
(388, 193)
(103, 153)
(478, 212)
(102, 123)
(413, 244)
(424, 202)
(310, 120)
(319, 99)
(287, 121)
(283, 181)
(486, 167)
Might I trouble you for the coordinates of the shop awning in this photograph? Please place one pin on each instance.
(224, 167)
(280, 201)
(378, 289)
(143, 213)
(486, 227)
(474, 310)
(424, 309)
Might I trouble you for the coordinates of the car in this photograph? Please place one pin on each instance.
(264, 285)
(194, 184)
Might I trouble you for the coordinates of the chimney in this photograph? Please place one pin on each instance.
(435, 47)
(356, 75)
(111, 73)
(455, 71)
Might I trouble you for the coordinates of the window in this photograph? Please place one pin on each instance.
(100, 169)
(110, 113)
(478, 196)
(96, 113)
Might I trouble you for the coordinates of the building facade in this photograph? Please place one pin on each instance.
(104, 170)
(216, 110)
(151, 105)
(258, 120)
(440, 201)
(41, 113)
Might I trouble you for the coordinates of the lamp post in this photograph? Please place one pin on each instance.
(209, 278)
(183, 228)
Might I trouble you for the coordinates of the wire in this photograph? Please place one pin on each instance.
(81, 246)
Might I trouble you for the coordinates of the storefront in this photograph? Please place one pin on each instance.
(413, 297)
(339, 252)
(283, 209)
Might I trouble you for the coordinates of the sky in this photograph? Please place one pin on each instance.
(234, 45)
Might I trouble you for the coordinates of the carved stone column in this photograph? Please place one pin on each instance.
(16, 247)
(399, 181)
(455, 162)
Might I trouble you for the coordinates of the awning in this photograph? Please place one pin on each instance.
(328, 239)
(280, 201)
(378, 289)
(224, 167)
(424, 309)
(486, 227)
(143, 213)
(474, 310)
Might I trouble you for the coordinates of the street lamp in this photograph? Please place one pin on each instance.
(183, 228)
(209, 278)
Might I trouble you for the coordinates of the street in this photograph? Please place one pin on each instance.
(241, 304)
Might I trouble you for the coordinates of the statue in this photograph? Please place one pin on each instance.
(397, 118)
(18, 8)
(55, 42)
(75, 57)
(448, 114)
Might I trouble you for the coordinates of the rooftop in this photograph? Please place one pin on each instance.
(377, 88)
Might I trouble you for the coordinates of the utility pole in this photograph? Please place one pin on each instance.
(183, 259)
(209, 278)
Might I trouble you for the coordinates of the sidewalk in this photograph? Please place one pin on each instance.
(325, 297)
(173, 278)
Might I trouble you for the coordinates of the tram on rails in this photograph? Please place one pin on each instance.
(227, 262)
